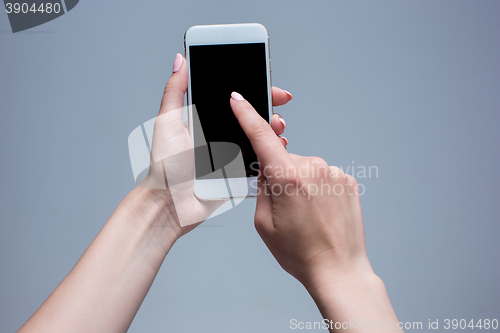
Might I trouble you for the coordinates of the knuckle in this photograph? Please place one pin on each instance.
(317, 167)
(336, 172)
(317, 161)
(301, 182)
(292, 179)
(258, 128)
(351, 180)
(286, 175)
(260, 222)
(352, 186)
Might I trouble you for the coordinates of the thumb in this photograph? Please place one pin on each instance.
(173, 96)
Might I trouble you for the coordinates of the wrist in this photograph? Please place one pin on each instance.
(361, 299)
(332, 270)
(332, 286)
(153, 213)
(340, 278)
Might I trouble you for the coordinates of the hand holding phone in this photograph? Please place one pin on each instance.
(172, 165)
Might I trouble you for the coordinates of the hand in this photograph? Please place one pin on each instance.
(309, 216)
(172, 161)
(308, 213)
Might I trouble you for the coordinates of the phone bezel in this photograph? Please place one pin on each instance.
(212, 189)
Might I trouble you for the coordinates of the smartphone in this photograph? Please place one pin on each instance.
(223, 59)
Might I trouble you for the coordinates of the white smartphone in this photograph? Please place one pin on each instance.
(223, 59)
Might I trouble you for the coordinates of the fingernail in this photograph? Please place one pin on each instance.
(236, 96)
(283, 122)
(284, 141)
(177, 63)
(289, 95)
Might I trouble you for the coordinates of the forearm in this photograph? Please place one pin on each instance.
(107, 286)
(360, 304)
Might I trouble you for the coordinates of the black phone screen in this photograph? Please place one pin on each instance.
(217, 71)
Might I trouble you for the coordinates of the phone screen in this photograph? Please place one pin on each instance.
(217, 71)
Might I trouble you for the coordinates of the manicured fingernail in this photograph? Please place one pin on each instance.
(236, 96)
(284, 141)
(283, 122)
(177, 63)
(289, 95)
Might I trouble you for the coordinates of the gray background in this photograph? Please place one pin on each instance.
(412, 87)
